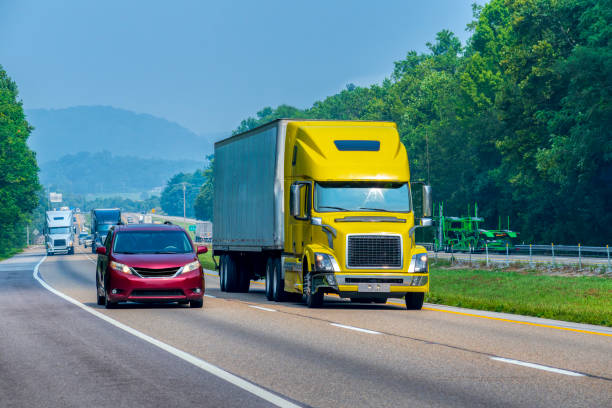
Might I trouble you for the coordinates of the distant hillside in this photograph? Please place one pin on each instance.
(95, 173)
(97, 128)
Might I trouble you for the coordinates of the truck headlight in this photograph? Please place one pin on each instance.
(120, 267)
(418, 263)
(325, 263)
(192, 266)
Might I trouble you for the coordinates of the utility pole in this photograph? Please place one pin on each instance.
(184, 212)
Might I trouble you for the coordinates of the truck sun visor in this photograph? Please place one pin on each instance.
(357, 145)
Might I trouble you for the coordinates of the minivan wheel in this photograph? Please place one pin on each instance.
(108, 304)
(101, 299)
(196, 303)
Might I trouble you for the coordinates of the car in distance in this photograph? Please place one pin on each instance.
(82, 237)
(149, 263)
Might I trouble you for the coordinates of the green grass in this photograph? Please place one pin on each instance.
(207, 260)
(585, 299)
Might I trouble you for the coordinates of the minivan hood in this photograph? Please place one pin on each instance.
(155, 261)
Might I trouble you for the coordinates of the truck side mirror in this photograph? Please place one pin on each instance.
(427, 203)
(295, 201)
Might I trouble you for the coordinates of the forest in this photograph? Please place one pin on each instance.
(518, 119)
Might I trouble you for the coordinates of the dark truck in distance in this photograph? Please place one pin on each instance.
(102, 219)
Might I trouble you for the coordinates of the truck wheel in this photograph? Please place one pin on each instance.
(222, 267)
(231, 274)
(414, 300)
(244, 274)
(313, 300)
(278, 287)
(269, 278)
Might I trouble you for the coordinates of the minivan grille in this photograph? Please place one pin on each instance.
(155, 293)
(156, 273)
(374, 251)
(59, 242)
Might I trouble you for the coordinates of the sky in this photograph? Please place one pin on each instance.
(208, 65)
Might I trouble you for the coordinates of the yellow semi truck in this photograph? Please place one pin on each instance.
(319, 207)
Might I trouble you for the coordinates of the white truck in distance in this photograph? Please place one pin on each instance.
(59, 232)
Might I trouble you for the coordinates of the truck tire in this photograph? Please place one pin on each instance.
(313, 300)
(414, 300)
(269, 279)
(222, 267)
(231, 274)
(245, 268)
(278, 288)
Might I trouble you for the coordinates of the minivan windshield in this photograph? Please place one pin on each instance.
(362, 196)
(59, 230)
(152, 242)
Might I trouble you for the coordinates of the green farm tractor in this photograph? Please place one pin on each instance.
(463, 234)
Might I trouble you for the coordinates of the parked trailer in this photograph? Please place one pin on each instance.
(319, 207)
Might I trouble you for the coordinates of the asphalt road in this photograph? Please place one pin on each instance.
(57, 353)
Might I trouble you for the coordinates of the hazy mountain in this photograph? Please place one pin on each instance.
(103, 128)
(84, 173)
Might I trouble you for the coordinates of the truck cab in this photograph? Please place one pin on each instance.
(59, 232)
(350, 217)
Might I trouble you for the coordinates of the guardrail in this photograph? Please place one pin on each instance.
(552, 254)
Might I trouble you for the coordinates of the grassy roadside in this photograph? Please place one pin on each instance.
(584, 299)
(207, 260)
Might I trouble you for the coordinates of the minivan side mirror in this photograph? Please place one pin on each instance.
(202, 250)
(101, 250)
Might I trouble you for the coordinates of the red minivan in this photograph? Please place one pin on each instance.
(149, 263)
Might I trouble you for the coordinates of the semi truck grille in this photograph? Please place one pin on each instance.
(59, 242)
(156, 273)
(374, 251)
(154, 293)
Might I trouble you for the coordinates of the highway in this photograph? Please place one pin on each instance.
(61, 349)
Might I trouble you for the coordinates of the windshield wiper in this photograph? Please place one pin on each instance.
(126, 252)
(374, 209)
(166, 252)
(334, 208)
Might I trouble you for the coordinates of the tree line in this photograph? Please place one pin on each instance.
(19, 186)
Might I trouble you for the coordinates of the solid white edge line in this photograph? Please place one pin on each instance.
(355, 328)
(206, 366)
(538, 366)
(210, 296)
(262, 308)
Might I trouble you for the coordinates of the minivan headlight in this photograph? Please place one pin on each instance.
(120, 267)
(192, 266)
(419, 263)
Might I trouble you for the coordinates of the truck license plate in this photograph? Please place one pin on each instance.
(374, 287)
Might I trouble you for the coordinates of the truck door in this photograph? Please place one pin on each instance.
(300, 225)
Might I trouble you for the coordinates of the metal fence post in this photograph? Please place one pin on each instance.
(530, 257)
(579, 257)
(552, 249)
(452, 255)
(470, 254)
(608, 251)
(487, 249)
(507, 254)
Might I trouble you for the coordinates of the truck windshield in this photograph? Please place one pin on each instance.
(362, 196)
(59, 230)
(103, 228)
(152, 242)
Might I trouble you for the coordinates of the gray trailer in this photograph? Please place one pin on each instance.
(248, 214)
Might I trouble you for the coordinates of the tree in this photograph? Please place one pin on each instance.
(203, 204)
(18, 169)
